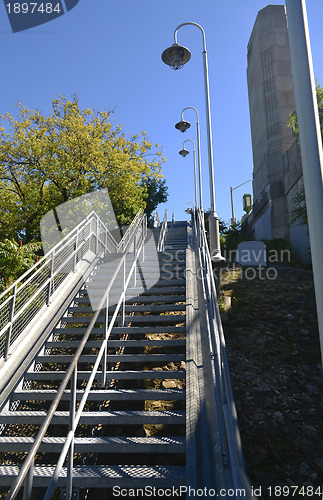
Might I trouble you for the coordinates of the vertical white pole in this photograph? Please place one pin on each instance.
(310, 140)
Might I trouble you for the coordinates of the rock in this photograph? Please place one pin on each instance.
(278, 418)
(319, 463)
(304, 470)
(305, 446)
(309, 432)
(169, 384)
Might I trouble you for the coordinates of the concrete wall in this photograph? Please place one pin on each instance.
(271, 92)
(277, 170)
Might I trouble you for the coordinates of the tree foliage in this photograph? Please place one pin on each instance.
(15, 259)
(299, 211)
(48, 160)
(155, 193)
(293, 122)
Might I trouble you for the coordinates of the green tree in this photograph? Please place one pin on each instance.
(155, 193)
(299, 211)
(48, 160)
(15, 259)
(293, 122)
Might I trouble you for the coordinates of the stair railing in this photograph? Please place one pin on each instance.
(23, 300)
(131, 254)
(226, 417)
(162, 234)
(128, 235)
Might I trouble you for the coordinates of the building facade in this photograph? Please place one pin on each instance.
(277, 171)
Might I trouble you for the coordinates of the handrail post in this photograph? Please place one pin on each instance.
(97, 236)
(69, 476)
(11, 316)
(124, 292)
(75, 249)
(134, 258)
(105, 333)
(28, 486)
(49, 289)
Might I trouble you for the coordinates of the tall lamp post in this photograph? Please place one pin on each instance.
(183, 126)
(310, 139)
(184, 152)
(233, 220)
(175, 57)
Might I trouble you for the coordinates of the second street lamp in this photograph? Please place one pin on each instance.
(175, 57)
(183, 126)
(184, 152)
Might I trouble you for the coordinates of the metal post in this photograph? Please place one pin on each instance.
(124, 292)
(310, 139)
(49, 289)
(134, 258)
(213, 218)
(11, 316)
(194, 161)
(28, 485)
(75, 250)
(233, 221)
(69, 478)
(105, 333)
(198, 152)
(144, 229)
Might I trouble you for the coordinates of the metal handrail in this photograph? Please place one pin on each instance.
(162, 234)
(128, 235)
(26, 471)
(22, 301)
(227, 412)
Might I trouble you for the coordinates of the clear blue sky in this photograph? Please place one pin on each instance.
(109, 52)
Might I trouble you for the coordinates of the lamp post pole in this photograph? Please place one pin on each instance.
(175, 57)
(198, 147)
(185, 152)
(233, 220)
(310, 139)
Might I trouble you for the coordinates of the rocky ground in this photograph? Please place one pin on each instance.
(274, 357)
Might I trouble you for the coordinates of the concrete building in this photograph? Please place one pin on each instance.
(277, 172)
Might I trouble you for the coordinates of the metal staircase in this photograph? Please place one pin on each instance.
(100, 399)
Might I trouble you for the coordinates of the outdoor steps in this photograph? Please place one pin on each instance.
(133, 330)
(97, 444)
(103, 395)
(152, 344)
(112, 358)
(104, 477)
(100, 417)
(110, 375)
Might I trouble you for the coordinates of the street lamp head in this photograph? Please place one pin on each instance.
(182, 125)
(184, 152)
(176, 56)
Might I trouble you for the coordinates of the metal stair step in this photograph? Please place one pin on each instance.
(104, 395)
(135, 308)
(133, 330)
(110, 375)
(112, 358)
(169, 318)
(119, 343)
(100, 417)
(98, 444)
(103, 476)
(141, 299)
(140, 291)
(173, 282)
